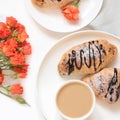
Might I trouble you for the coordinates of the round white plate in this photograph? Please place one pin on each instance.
(49, 79)
(53, 19)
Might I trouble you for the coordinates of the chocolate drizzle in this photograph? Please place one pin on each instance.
(113, 92)
(86, 56)
(113, 80)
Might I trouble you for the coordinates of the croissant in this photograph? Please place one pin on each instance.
(51, 3)
(87, 58)
(105, 84)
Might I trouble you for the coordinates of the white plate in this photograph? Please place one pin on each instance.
(53, 19)
(49, 80)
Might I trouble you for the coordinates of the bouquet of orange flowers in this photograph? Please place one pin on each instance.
(13, 51)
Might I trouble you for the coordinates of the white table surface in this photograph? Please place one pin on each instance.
(42, 40)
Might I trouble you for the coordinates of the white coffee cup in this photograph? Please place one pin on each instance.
(68, 103)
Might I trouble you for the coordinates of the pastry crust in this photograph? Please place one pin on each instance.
(105, 84)
(51, 3)
(87, 58)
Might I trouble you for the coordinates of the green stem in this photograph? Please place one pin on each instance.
(20, 100)
(8, 74)
(2, 87)
(5, 94)
(6, 88)
(76, 4)
(12, 75)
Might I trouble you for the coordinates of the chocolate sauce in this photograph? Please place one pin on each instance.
(74, 62)
(112, 87)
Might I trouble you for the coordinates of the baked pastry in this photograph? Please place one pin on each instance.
(105, 84)
(87, 58)
(51, 3)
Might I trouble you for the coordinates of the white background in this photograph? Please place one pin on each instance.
(42, 40)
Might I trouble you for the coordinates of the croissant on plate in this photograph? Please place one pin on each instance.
(87, 58)
(51, 3)
(105, 84)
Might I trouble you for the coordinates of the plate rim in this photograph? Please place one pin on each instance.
(53, 46)
(59, 31)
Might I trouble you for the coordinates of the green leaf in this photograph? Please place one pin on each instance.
(21, 100)
(7, 88)
(76, 4)
(1, 53)
(5, 63)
